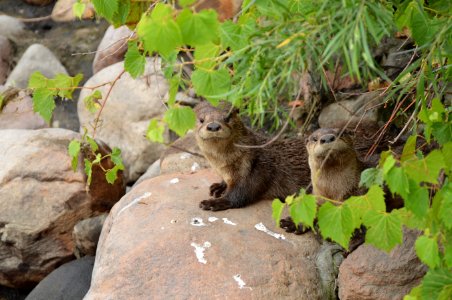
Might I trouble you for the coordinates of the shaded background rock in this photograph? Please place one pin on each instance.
(63, 12)
(183, 156)
(86, 235)
(17, 111)
(112, 48)
(36, 58)
(12, 28)
(41, 199)
(362, 109)
(147, 248)
(69, 281)
(131, 104)
(151, 172)
(369, 273)
(6, 52)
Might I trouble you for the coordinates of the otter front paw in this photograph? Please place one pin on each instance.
(289, 226)
(217, 189)
(215, 204)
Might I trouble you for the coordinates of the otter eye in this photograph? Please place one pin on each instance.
(314, 139)
(201, 121)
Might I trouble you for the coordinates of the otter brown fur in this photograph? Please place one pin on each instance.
(334, 163)
(275, 171)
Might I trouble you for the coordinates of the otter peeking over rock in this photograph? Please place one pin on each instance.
(249, 174)
(335, 169)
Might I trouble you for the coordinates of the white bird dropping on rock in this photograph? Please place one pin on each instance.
(174, 180)
(261, 227)
(199, 251)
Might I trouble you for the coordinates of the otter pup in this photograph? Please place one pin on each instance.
(275, 171)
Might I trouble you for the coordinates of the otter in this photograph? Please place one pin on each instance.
(335, 169)
(335, 166)
(274, 171)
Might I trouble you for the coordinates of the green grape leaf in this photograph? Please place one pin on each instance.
(303, 210)
(74, 150)
(180, 119)
(112, 174)
(155, 131)
(198, 28)
(174, 88)
(37, 80)
(384, 230)
(442, 132)
(336, 222)
(213, 85)
(397, 181)
(66, 84)
(447, 155)
(78, 9)
(92, 143)
(410, 220)
(409, 150)
(92, 101)
(435, 282)
(116, 158)
(185, 3)
(370, 177)
(106, 8)
(360, 205)
(88, 171)
(205, 56)
(388, 164)
(417, 200)
(122, 14)
(159, 31)
(134, 62)
(44, 103)
(445, 209)
(236, 35)
(427, 169)
(427, 251)
(277, 209)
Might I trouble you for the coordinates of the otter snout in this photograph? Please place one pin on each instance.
(213, 126)
(327, 138)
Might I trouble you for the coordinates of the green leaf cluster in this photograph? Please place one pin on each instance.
(45, 90)
(89, 149)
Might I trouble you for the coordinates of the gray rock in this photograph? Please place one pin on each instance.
(183, 156)
(369, 273)
(86, 235)
(112, 48)
(6, 52)
(363, 109)
(41, 199)
(11, 27)
(36, 58)
(125, 118)
(152, 245)
(329, 258)
(151, 172)
(71, 281)
(63, 12)
(17, 111)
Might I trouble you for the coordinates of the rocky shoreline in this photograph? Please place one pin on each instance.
(145, 235)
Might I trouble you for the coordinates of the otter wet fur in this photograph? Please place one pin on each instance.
(249, 174)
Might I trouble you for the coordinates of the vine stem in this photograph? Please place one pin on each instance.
(96, 120)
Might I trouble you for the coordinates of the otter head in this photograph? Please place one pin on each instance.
(217, 123)
(328, 147)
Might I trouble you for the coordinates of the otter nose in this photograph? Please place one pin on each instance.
(327, 138)
(213, 126)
